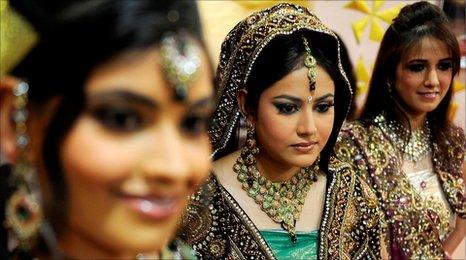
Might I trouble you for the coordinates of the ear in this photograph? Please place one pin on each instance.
(7, 127)
(241, 99)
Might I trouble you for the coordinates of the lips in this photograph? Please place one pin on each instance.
(304, 147)
(153, 207)
(429, 95)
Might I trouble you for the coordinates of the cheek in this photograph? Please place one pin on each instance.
(87, 153)
(199, 154)
(324, 126)
(445, 81)
(407, 84)
(273, 128)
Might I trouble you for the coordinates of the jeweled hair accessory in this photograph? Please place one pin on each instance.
(311, 64)
(240, 49)
(180, 60)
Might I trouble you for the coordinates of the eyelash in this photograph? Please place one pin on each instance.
(124, 119)
(120, 119)
(195, 124)
(288, 109)
(444, 66)
(323, 107)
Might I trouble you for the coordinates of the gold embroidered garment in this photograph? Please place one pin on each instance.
(218, 228)
(413, 224)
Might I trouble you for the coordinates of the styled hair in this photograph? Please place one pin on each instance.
(414, 23)
(74, 38)
(285, 54)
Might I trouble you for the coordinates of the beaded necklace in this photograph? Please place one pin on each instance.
(416, 148)
(281, 201)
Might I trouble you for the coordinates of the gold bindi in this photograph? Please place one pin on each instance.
(311, 64)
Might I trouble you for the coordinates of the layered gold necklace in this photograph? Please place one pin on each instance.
(281, 201)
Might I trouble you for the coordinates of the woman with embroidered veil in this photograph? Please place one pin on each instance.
(404, 144)
(106, 103)
(280, 71)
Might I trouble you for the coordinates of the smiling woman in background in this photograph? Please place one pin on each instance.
(107, 108)
(405, 145)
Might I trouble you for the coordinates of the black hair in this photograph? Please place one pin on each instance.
(284, 54)
(414, 23)
(74, 38)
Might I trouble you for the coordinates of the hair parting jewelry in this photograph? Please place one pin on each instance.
(281, 201)
(311, 64)
(23, 212)
(180, 60)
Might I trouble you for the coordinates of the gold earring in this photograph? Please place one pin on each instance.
(23, 211)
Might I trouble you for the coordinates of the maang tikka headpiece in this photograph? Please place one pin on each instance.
(311, 64)
(180, 61)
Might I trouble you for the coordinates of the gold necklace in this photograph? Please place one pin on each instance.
(281, 201)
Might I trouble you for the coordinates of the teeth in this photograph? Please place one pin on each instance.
(146, 206)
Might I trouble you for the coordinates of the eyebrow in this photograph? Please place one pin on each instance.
(131, 97)
(123, 95)
(297, 100)
(424, 60)
(203, 102)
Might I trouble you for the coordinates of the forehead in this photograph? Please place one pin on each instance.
(142, 72)
(426, 48)
(297, 83)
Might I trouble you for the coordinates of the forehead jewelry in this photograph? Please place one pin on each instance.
(180, 61)
(309, 99)
(311, 64)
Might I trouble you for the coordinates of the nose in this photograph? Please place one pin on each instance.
(306, 123)
(432, 79)
(166, 158)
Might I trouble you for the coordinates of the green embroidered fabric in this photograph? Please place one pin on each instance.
(283, 248)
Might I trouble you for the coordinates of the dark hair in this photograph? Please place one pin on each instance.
(285, 54)
(74, 38)
(414, 23)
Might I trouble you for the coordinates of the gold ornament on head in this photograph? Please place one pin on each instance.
(17, 37)
(180, 60)
(311, 64)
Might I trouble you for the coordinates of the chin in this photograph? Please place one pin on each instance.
(302, 161)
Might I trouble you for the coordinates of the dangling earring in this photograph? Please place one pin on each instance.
(250, 149)
(315, 165)
(23, 212)
(389, 85)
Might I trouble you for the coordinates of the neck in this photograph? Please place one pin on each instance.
(77, 244)
(273, 170)
(416, 120)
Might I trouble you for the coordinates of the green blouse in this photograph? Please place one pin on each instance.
(283, 248)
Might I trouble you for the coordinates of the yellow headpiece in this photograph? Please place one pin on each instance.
(17, 37)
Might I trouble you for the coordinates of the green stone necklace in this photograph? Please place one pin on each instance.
(282, 201)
